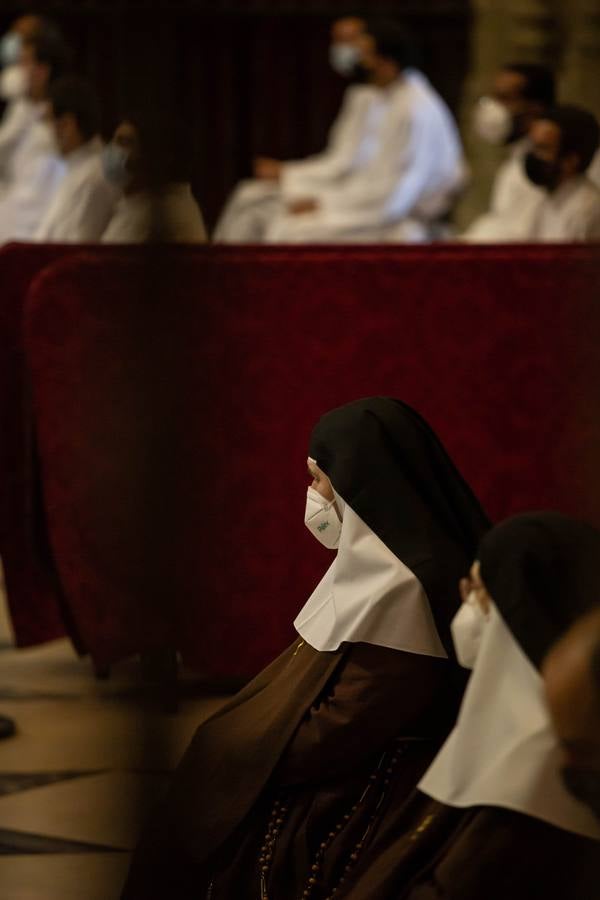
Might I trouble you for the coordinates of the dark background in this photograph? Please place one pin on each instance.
(229, 80)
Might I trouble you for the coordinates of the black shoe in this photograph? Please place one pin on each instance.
(7, 727)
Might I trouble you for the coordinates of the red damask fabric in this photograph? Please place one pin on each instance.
(33, 592)
(175, 391)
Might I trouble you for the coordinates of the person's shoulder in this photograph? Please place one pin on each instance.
(584, 200)
(357, 95)
(41, 137)
(590, 190)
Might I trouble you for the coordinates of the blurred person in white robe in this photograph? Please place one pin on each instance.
(521, 92)
(35, 169)
(19, 109)
(164, 210)
(564, 141)
(84, 201)
(256, 201)
(414, 174)
(593, 173)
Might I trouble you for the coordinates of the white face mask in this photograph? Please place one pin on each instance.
(322, 520)
(13, 82)
(10, 48)
(492, 121)
(343, 58)
(467, 630)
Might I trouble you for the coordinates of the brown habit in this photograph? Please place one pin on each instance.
(437, 852)
(337, 739)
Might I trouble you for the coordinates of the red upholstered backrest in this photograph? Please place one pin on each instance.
(175, 395)
(32, 590)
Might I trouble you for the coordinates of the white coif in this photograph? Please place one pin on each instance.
(368, 595)
(503, 751)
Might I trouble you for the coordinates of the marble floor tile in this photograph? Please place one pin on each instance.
(63, 877)
(108, 809)
(98, 734)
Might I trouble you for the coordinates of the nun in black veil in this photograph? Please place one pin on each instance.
(283, 789)
(492, 817)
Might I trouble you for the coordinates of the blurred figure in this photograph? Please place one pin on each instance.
(572, 680)
(593, 173)
(35, 169)
(255, 202)
(414, 168)
(521, 93)
(563, 143)
(84, 201)
(142, 204)
(492, 819)
(19, 111)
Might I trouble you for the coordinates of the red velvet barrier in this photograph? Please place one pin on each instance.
(33, 592)
(175, 395)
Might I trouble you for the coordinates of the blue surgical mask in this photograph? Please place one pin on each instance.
(10, 48)
(115, 160)
(344, 58)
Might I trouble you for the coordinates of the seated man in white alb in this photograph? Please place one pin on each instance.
(19, 110)
(84, 202)
(33, 168)
(563, 143)
(415, 169)
(521, 92)
(155, 205)
(256, 201)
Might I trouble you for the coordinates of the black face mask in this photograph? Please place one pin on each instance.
(541, 172)
(584, 784)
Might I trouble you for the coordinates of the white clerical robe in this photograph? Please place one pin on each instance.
(409, 181)
(351, 143)
(135, 215)
(19, 116)
(84, 202)
(36, 172)
(514, 203)
(570, 213)
(593, 172)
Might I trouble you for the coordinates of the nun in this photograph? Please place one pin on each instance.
(282, 788)
(492, 817)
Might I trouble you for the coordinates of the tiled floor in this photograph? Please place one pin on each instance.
(78, 778)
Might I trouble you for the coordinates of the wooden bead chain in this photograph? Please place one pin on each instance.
(278, 813)
(382, 777)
